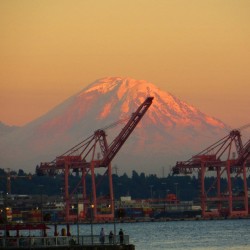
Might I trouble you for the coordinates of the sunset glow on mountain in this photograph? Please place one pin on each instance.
(171, 128)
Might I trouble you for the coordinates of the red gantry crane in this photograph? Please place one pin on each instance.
(86, 158)
(227, 158)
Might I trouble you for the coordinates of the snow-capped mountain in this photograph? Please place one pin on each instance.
(170, 131)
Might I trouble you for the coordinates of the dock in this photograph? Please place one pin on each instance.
(65, 243)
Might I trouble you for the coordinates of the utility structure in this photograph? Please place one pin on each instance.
(85, 158)
(228, 158)
(10, 176)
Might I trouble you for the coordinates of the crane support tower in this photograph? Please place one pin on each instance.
(86, 158)
(228, 158)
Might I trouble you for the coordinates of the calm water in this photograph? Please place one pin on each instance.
(202, 235)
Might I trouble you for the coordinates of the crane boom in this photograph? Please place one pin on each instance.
(126, 131)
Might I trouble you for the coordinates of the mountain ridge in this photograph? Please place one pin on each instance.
(5, 128)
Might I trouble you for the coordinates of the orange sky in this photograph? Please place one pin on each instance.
(197, 50)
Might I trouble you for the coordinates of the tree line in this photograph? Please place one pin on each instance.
(138, 186)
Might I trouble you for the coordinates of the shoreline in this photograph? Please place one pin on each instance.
(139, 220)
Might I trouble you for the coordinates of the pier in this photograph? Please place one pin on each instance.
(65, 242)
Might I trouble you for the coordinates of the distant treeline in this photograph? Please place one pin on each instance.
(138, 186)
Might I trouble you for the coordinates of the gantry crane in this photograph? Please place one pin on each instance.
(227, 158)
(85, 158)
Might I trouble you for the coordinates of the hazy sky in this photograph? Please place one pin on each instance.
(198, 50)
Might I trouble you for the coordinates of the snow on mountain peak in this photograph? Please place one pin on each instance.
(108, 84)
(129, 93)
